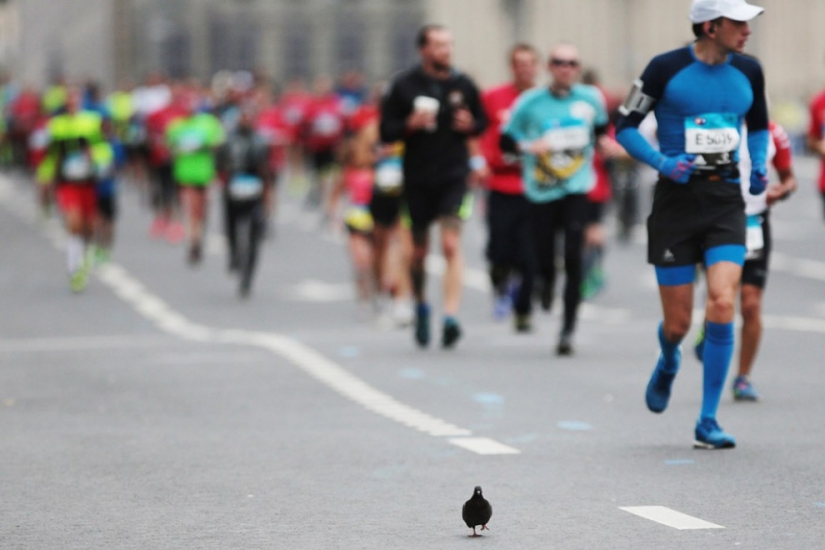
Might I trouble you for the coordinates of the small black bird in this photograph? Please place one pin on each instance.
(477, 511)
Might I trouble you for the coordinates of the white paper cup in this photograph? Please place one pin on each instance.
(430, 105)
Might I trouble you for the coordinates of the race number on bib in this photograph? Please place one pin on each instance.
(755, 239)
(567, 138)
(245, 187)
(190, 142)
(389, 175)
(711, 134)
(77, 167)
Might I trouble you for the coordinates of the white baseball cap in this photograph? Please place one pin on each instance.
(737, 10)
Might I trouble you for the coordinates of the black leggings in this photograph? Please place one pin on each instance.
(255, 214)
(546, 220)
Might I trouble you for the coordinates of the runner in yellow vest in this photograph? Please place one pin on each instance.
(70, 168)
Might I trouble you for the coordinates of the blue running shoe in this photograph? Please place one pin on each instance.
(422, 325)
(709, 435)
(743, 390)
(658, 389)
(502, 307)
(699, 345)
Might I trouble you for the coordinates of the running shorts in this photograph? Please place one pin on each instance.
(83, 198)
(385, 209)
(427, 203)
(107, 207)
(688, 219)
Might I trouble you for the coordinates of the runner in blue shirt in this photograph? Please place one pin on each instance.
(701, 95)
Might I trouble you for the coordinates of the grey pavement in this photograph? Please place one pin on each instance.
(289, 424)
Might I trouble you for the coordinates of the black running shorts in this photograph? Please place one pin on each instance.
(427, 203)
(688, 219)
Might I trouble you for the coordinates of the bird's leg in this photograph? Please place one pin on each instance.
(474, 532)
(485, 528)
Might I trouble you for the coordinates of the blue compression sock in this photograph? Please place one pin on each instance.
(716, 359)
(670, 352)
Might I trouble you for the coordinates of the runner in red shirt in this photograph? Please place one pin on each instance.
(165, 193)
(322, 132)
(293, 104)
(509, 245)
(273, 127)
(816, 136)
(24, 114)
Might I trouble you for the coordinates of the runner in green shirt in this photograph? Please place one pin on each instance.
(193, 142)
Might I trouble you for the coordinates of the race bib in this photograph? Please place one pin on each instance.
(77, 167)
(326, 125)
(755, 239)
(566, 156)
(713, 136)
(245, 187)
(567, 138)
(190, 142)
(389, 175)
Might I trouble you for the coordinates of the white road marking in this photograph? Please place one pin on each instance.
(671, 518)
(335, 377)
(484, 446)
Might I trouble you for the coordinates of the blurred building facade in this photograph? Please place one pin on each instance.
(116, 40)
(113, 40)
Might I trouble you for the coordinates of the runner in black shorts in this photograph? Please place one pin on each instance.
(434, 110)
(701, 95)
(757, 261)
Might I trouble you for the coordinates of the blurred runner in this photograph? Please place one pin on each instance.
(434, 109)
(193, 141)
(70, 168)
(509, 245)
(392, 240)
(23, 116)
(273, 128)
(109, 156)
(759, 243)
(294, 104)
(816, 137)
(165, 200)
(322, 133)
(247, 179)
(355, 184)
(557, 127)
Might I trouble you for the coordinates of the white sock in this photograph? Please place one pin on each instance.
(74, 252)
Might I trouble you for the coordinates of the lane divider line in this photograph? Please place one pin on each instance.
(135, 294)
(671, 518)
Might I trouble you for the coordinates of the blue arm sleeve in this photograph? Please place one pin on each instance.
(639, 148)
(758, 148)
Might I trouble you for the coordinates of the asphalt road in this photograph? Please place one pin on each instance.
(158, 410)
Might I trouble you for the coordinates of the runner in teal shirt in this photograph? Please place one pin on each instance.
(555, 130)
(568, 125)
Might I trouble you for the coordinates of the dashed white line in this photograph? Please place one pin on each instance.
(671, 518)
(484, 446)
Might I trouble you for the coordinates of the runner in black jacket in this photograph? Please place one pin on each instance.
(434, 110)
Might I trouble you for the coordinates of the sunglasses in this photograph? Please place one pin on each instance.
(572, 63)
